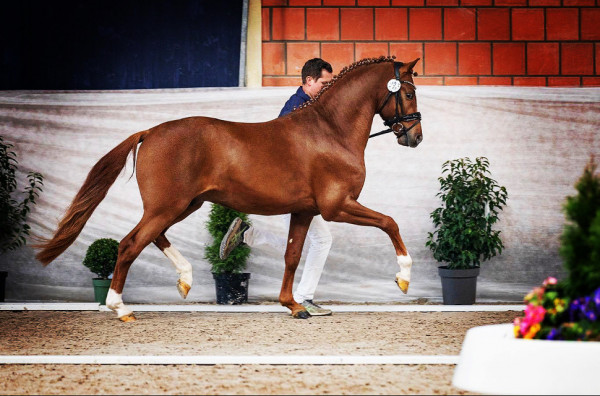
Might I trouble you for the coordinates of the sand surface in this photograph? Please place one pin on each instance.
(202, 333)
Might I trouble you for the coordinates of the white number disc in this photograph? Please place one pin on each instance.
(393, 85)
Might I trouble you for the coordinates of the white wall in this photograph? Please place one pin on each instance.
(538, 141)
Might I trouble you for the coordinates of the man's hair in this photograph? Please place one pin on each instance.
(314, 68)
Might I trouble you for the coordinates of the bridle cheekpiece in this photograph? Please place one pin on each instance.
(394, 124)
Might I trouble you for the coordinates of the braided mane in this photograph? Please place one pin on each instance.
(346, 70)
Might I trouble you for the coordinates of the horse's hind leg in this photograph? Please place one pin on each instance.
(147, 230)
(299, 225)
(182, 266)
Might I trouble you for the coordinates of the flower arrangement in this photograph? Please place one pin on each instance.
(551, 315)
(570, 309)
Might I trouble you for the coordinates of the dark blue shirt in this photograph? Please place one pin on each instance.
(294, 102)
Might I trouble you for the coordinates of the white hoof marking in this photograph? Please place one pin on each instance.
(114, 301)
(182, 266)
(405, 263)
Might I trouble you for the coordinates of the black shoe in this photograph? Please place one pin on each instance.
(233, 238)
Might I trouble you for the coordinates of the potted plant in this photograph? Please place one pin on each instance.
(570, 309)
(101, 258)
(13, 214)
(230, 282)
(463, 235)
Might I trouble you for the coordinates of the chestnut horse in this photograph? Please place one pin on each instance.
(308, 162)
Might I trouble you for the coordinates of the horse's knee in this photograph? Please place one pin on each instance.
(389, 225)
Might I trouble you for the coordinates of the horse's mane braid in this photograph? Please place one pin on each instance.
(346, 70)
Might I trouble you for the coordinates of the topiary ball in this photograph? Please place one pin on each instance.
(101, 257)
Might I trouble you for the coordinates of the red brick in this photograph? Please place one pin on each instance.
(509, 59)
(288, 23)
(580, 3)
(266, 24)
(530, 81)
(460, 80)
(408, 52)
(273, 58)
(370, 50)
(338, 54)
(542, 58)
(298, 54)
(597, 58)
(391, 24)
(267, 3)
(440, 58)
(539, 3)
(495, 81)
(304, 2)
(425, 23)
(459, 23)
(493, 24)
(564, 81)
(429, 81)
(501, 3)
(474, 59)
(562, 24)
(378, 3)
(590, 23)
(357, 23)
(577, 58)
(591, 81)
(404, 3)
(339, 2)
(476, 2)
(322, 24)
(442, 3)
(528, 24)
(281, 81)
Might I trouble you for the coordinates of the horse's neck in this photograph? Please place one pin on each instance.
(351, 102)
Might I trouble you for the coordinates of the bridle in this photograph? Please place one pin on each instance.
(394, 123)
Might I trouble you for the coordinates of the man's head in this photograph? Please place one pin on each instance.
(315, 73)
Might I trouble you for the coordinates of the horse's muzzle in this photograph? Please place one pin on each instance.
(410, 140)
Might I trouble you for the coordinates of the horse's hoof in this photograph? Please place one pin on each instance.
(402, 284)
(301, 315)
(183, 288)
(127, 318)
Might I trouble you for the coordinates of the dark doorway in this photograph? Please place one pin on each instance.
(119, 44)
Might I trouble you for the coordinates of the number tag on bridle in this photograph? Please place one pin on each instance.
(393, 85)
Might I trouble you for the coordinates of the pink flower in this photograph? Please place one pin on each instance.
(534, 314)
(550, 281)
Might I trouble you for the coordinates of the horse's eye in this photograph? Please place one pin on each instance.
(410, 96)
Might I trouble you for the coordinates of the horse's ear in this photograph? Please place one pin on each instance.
(411, 65)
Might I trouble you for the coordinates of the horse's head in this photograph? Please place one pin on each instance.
(399, 106)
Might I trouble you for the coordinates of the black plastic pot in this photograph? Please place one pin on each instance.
(231, 288)
(459, 286)
(3, 275)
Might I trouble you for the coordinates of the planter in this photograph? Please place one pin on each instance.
(493, 361)
(101, 287)
(459, 286)
(231, 288)
(3, 275)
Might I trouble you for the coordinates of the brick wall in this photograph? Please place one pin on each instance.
(460, 42)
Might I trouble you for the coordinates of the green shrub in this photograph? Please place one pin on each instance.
(13, 215)
(101, 257)
(471, 202)
(218, 223)
(580, 241)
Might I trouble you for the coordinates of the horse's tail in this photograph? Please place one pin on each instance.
(93, 191)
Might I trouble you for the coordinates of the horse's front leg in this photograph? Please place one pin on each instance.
(350, 211)
(299, 225)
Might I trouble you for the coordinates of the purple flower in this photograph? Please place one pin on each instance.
(597, 297)
(553, 334)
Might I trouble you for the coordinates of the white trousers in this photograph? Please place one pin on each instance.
(319, 239)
